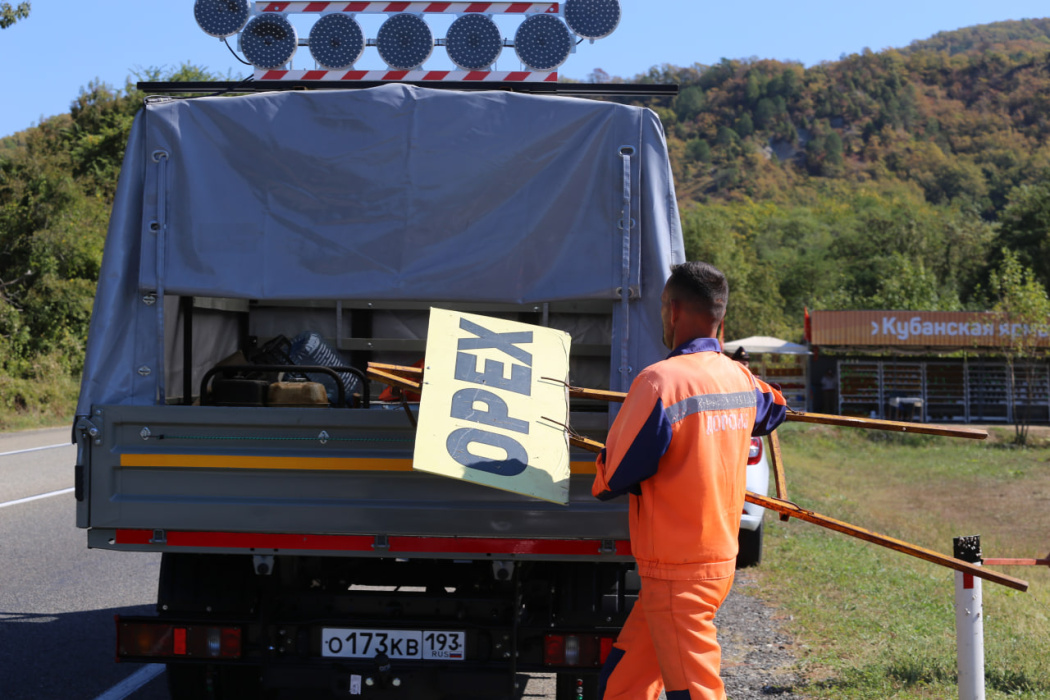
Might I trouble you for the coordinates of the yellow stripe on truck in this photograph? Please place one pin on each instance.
(263, 462)
(295, 463)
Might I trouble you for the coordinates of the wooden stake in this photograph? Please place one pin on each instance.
(586, 443)
(415, 373)
(577, 392)
(822, 418)
(790, 510)
(893, 426)
(794, 511)
(776, 460)
(397, 375)
(393, 380)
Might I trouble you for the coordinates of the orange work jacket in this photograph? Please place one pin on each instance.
(679, 446)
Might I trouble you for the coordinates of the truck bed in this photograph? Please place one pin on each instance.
(324, 480)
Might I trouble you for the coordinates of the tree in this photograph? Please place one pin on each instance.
(1023, 311)
(907, 285)
(698, 150)
(599, 76)
(57, 182)
(689, 103)
(9, 15)
(1025, 227)
(765, 113)
(745, 126)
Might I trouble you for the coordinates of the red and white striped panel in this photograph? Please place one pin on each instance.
(409, 75)
(496, 8)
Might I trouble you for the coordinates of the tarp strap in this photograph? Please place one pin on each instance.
(625, 270)
(161, 159)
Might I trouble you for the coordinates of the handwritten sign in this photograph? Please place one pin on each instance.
(484, 413)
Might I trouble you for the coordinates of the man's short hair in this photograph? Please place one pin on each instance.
(700, 285)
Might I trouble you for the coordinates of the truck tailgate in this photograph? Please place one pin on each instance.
(330, 472)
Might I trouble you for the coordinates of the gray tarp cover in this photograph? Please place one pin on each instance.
(392, 193)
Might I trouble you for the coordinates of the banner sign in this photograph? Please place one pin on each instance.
(487, 413)
(956, 329)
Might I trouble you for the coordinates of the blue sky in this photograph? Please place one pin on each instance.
(65, 44)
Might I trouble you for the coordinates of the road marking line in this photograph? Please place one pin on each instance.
(36, 449)
(37, 497)
(133, 682)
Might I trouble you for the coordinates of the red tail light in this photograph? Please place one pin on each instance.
(166, 640)
(755, 453)
(576, 650)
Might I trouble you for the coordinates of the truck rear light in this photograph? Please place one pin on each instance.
(572, 650)
(755, 453)
(167, 640)
(580, 650)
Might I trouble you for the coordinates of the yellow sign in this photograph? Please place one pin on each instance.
(486, 413)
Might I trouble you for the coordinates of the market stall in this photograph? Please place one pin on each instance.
(779, 361)
(930, 366)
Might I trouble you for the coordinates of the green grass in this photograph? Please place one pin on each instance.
(876, 624)
(46, 398)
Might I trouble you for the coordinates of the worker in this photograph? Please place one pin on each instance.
(679, 447)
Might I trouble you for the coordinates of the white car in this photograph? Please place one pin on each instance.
(751, 521)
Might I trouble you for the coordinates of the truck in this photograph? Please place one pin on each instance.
(302, 555)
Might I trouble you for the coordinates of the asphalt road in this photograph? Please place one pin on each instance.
(57, 597)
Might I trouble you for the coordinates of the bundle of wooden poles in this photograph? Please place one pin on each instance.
(411, 379)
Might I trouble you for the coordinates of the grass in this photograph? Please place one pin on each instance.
(45, 399)
(876, 624)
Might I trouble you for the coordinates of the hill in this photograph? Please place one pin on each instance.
(1023, 35)
(884, 180)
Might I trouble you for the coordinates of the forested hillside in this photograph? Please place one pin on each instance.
(882, 180)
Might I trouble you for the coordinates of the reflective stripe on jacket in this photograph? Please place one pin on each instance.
(679, 446)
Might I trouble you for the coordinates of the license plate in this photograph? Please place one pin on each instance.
(396, 644)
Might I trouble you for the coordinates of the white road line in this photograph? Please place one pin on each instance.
(36, 449)
(133, 682)
(36, 498)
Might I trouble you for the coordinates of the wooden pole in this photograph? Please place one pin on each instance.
(786, 508)
(396, 375)
(893, 426)
(383, 372)
(823, 419)
(400, 370)
(776, 460)
(385, 377)
(794, 511)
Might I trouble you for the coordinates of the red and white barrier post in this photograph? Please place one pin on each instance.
(969, 621)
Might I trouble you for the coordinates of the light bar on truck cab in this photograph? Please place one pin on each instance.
(410, 76)
(386, 7)
(547, 35)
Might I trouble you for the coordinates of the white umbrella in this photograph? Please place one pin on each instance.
(766, 344)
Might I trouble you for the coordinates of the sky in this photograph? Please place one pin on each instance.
(66, 44)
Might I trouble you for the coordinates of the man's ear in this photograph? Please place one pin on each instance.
(676, 310)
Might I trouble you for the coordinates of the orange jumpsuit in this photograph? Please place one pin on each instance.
(679, 446)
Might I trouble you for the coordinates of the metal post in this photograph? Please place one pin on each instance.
(969, 623)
